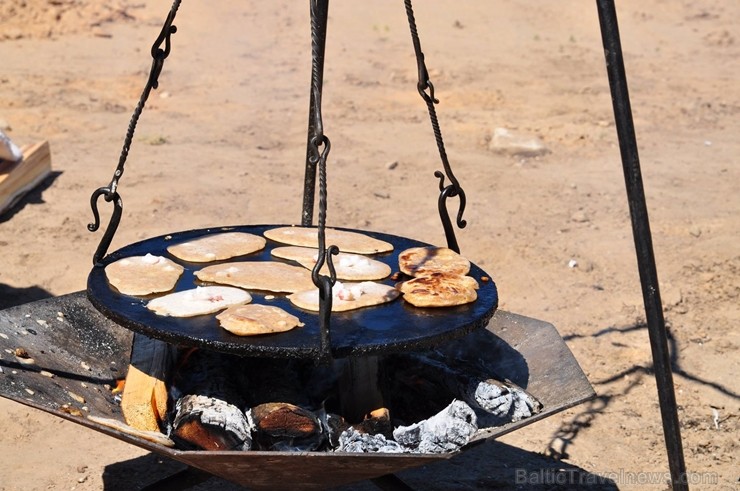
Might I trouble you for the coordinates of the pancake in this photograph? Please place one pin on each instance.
(346, 241)
(259, 275)
(347, 296)
(143, 275)
(351, 267)
(421, 260)
(217, 247)
(439, 290)
(198, 301)
(255, 319)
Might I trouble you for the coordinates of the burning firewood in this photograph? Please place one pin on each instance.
(209, 390)
(211, 424)
(377, 422)
(286, 427)
(435, 403)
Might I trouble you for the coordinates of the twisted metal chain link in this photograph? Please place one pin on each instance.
(319, 150)
(426, 90)
(110, 192)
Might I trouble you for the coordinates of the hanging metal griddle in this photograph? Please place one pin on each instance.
(391, 327)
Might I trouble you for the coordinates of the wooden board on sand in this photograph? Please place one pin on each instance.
(18, 178)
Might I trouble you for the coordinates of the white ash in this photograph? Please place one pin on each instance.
(351, 440)
(447, 431)
(504, 400)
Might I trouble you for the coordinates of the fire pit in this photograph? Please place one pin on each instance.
(74, 355)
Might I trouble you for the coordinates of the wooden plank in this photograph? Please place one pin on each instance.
(144, 400)
(18, 178)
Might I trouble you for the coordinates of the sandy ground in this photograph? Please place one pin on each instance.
(222, 142)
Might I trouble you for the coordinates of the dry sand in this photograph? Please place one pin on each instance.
(222, 142)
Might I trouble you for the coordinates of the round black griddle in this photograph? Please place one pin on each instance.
(392, 327)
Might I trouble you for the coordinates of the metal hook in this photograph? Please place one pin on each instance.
(115, 219)
(423, 86)
(447, 192)
(325, 258)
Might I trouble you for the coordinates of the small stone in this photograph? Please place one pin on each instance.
(507, 142)
(391, 165)
(5, 126)
(572, 264)
(100, 33)
(695, 231)
(681, 308)
(579, 217)
(670, 295)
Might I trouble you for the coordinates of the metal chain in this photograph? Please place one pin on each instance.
(426, 90)
(319, 147)
(110, 192)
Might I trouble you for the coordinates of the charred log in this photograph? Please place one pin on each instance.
(210, 424)
(285, 427)
(209, 389)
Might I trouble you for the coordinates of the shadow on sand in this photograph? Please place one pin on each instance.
(33, 197)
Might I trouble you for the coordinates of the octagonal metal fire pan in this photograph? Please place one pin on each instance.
(78, 354)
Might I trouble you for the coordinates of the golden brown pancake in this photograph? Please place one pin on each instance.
(255, 319)
(439, 290)
(421, 260)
